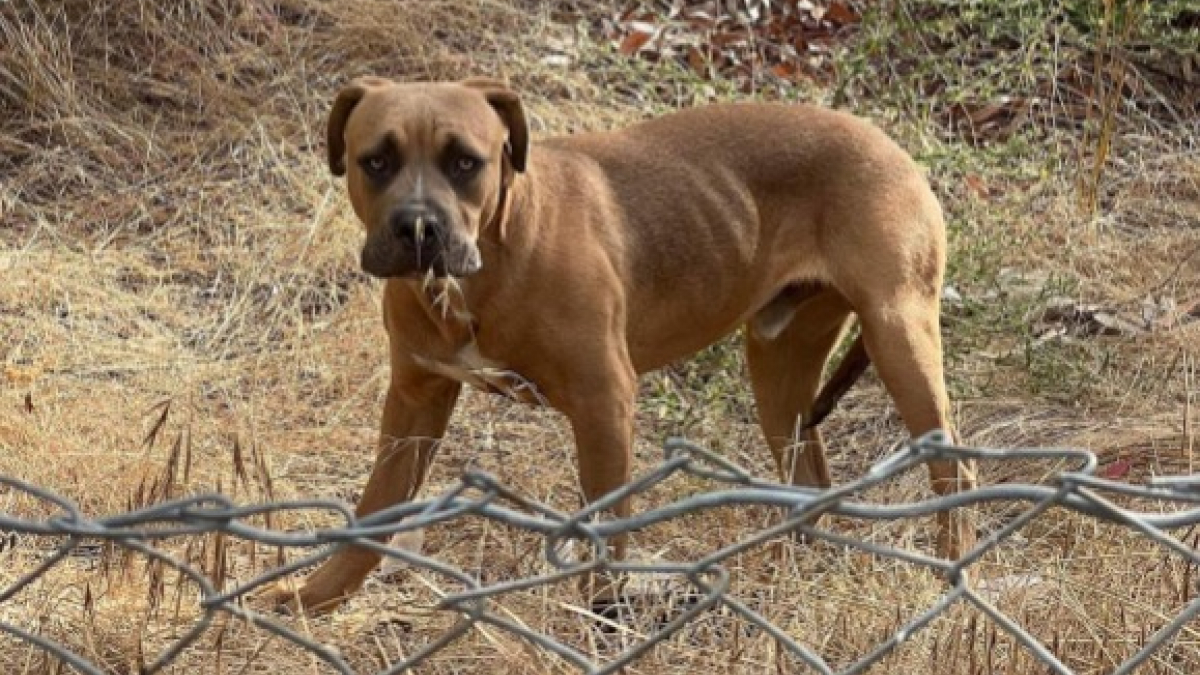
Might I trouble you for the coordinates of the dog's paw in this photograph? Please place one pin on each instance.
(280, 597)
(289, 598)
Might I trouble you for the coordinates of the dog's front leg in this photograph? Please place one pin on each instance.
(601, 415)
(415, 416)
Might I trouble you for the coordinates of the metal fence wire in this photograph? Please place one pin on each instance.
(478, 494)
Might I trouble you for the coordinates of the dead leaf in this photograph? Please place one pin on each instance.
(742, 40)
(786, 70)
(987, 112)
(1190, 308)
(1117, 470)
(841, 13)
(1049, 335)
(1083, 320)
(634, 42)
(1111, 323)
(976, 186)
(1166, 313)
(697, 61)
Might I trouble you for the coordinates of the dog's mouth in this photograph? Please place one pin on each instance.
(387, 257)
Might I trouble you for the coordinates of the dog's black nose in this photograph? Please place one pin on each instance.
(414, 222)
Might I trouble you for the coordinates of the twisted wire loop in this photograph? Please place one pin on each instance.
(478, 494)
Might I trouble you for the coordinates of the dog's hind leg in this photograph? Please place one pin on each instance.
(902, 338)
(785, 366)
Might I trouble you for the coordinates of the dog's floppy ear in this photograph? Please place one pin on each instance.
(508, 105)
(343, 105)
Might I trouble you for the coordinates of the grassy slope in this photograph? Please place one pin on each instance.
(168, 233)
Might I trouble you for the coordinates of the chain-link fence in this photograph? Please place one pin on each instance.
(477, 494)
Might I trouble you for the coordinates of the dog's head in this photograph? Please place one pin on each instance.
(425, 165)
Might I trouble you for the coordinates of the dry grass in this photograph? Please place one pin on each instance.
(168, 233)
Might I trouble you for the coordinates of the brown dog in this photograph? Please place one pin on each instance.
(561, 272)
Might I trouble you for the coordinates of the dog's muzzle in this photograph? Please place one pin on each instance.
(413, 225)
(416, 239)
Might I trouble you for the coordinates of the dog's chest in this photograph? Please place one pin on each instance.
(457, 326)
(472, 368)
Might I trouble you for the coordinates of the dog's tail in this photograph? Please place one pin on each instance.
(852, 366)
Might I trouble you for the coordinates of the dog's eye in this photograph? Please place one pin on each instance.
(464, 166)
(376, 165)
